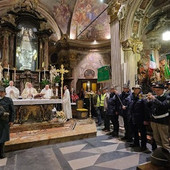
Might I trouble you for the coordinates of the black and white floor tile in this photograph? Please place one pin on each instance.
(99, 153)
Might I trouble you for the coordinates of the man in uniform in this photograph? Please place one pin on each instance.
(160, 116)
(12, 91)
(29, 92)
(6, 119)
(123, 106)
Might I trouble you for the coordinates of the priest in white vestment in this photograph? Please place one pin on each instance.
(66, 103)
(11, 91)
(47, 92)
(29, 92)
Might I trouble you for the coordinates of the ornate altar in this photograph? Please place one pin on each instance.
(34, 110)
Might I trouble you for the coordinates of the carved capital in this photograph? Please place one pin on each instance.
(133, 44)
(113, 10)
(154, 44)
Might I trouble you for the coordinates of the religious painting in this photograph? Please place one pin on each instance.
(62, 11)
(26, 48)
(85, 12)
(89, 74)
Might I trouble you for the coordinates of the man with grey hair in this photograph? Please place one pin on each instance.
(11, 91)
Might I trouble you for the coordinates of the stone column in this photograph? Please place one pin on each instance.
(11, 52)
(40, 53)
(46, 60)
(5, 57)
(115, 44)
(132, 48)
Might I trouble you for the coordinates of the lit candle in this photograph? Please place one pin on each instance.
(44, 73)
(56, 91)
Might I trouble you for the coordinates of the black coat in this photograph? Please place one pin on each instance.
(112, 106)
(158, 107)
(138, 110)
(125, 99)
(7, 104)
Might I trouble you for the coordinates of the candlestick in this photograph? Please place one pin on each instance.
(14, 74)
(8, 70)
(39, 77)
(44, 73)
(56, 91)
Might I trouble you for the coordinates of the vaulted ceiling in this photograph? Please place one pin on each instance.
(71, 17)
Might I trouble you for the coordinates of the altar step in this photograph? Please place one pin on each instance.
(35, 126)
(72, 130)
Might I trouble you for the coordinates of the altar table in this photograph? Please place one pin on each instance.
(34, 110)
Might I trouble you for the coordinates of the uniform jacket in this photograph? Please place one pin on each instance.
(7, 104)
(138, 110)
(159, 109)
(112, 106)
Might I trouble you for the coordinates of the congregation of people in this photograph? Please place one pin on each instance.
(141, 113)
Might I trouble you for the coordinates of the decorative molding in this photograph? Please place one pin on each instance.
(133, 44)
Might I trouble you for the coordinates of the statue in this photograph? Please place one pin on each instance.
(53, 73)
(1, 72)
(121, 12)
(161, 22)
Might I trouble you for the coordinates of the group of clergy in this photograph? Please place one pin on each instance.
(29, 91)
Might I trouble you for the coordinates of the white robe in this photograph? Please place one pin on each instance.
(48, 93)
(12, 92)
(27, 91)
(67, 104)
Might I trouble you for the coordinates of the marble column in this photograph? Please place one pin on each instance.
(11, 52)
(115, 44)
(5, 57)
(132, 48)
(46, 60)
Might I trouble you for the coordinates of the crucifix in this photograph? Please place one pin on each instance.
(62, 71)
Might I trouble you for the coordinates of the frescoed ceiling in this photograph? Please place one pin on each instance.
(71, 17)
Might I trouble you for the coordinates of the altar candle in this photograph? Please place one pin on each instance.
(44, 73)
(14, 74)
(8, 69)
(56, 91)
(39, 77)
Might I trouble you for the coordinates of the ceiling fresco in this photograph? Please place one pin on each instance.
(84, 13)
(73, 16)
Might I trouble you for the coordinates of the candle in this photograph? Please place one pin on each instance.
(56, 91)
(44, 73)
(14, 74)
(39, 77)
(8, 69)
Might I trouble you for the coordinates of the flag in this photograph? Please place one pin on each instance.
(152, 64)
(166, 71)
(103, 74)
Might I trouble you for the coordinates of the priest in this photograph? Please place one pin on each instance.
(66, 103)
(47, 92)
(29, 92)
(11, 91)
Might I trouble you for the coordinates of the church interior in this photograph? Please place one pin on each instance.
(51, 55)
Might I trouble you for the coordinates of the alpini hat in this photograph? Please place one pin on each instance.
(137, 86)
(160, 86)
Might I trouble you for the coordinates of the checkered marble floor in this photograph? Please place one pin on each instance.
(99, 153)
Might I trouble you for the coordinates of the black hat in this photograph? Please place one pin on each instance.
(2, 89)
(160, 86)
(126, 86)
(168, 83)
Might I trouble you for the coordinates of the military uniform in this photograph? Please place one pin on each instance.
(7, 105)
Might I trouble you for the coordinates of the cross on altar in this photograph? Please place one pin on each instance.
(62, 71)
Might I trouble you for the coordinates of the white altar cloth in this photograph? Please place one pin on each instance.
(20, 102)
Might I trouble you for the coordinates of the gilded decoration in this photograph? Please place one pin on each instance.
(113, 10)
(134, 44)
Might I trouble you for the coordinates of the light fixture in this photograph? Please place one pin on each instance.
(166, 36)
(101, 0)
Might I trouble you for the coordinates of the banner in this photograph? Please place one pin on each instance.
(103, 74)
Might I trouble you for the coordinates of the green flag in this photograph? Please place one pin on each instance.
(103, 74)
(166, 71)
